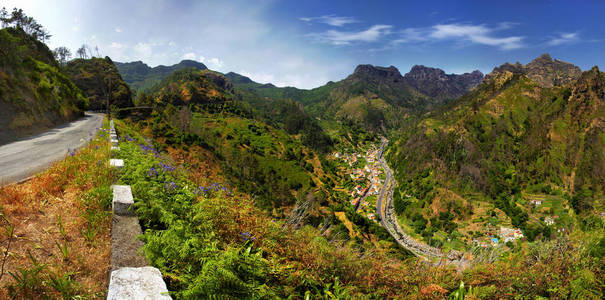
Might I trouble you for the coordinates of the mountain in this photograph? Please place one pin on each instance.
(544, 71)
(94, 76)
(34, 94)
(519, 136)
(141, 77)
(373, 97)
(435, 83)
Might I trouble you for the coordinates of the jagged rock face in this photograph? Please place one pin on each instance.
(543, 70)
(433, 82)
(587, 95)
(374, 72)
(548, 73)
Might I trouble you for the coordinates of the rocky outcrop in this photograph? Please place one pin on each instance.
(435, 83)
(543, 70)
(377, 73)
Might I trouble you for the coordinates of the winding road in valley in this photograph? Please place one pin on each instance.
(26, 157)
(388, 220)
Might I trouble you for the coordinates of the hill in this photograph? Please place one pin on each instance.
(94, 76)
(34, 94)
(141, 77)
(488, 156)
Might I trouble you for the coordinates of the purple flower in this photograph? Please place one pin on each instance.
(170, 186)
(152, 172)
(247, 236)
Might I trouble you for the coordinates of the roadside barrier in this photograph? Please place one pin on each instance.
(131, 276)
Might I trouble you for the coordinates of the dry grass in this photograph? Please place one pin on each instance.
(55, 210)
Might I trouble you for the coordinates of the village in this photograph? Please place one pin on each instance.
(491, 239)
(366, 179)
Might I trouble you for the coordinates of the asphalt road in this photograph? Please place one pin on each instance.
(26, 157)
(386, 212)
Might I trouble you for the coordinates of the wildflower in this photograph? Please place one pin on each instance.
(247, 236)
(170, 186)
(152, 172)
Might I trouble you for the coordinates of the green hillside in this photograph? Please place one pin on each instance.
(478, 163)
(141, 77)
(94, 77)
(34, 94)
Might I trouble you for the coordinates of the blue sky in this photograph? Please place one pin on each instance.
(307, 43)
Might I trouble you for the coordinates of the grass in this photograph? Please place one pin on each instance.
(60, 246)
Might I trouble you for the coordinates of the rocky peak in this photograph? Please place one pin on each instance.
(420, 72)
(591, 82)
(365, 71)
(545, 71)
(435, 83)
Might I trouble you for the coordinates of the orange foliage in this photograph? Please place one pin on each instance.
(48, 210)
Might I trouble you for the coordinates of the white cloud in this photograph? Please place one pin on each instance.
(142, 50)
(297, 80)
(564, 38)
(75, 28)
(260, 77)
(171, 44)
(215, 63)
(478, 34)
(118, 29)
(335, 37)
(331, 20)
(190, 56)
(115, 45)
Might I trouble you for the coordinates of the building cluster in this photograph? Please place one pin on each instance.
(366, 177)
(506, 235)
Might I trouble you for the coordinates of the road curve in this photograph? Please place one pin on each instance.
(388, 220)
(26, 157)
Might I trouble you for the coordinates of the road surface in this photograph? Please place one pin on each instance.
(26, 157)
(388, 220)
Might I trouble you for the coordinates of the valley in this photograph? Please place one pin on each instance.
(381, 184)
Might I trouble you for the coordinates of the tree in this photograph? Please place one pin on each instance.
(18, 19)
(62, 54)
(4, 17)
(82, 52)
(97, 50)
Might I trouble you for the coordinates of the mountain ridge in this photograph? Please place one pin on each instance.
(141, 76)
(543, 70)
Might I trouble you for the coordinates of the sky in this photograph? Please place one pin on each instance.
(308, 43)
